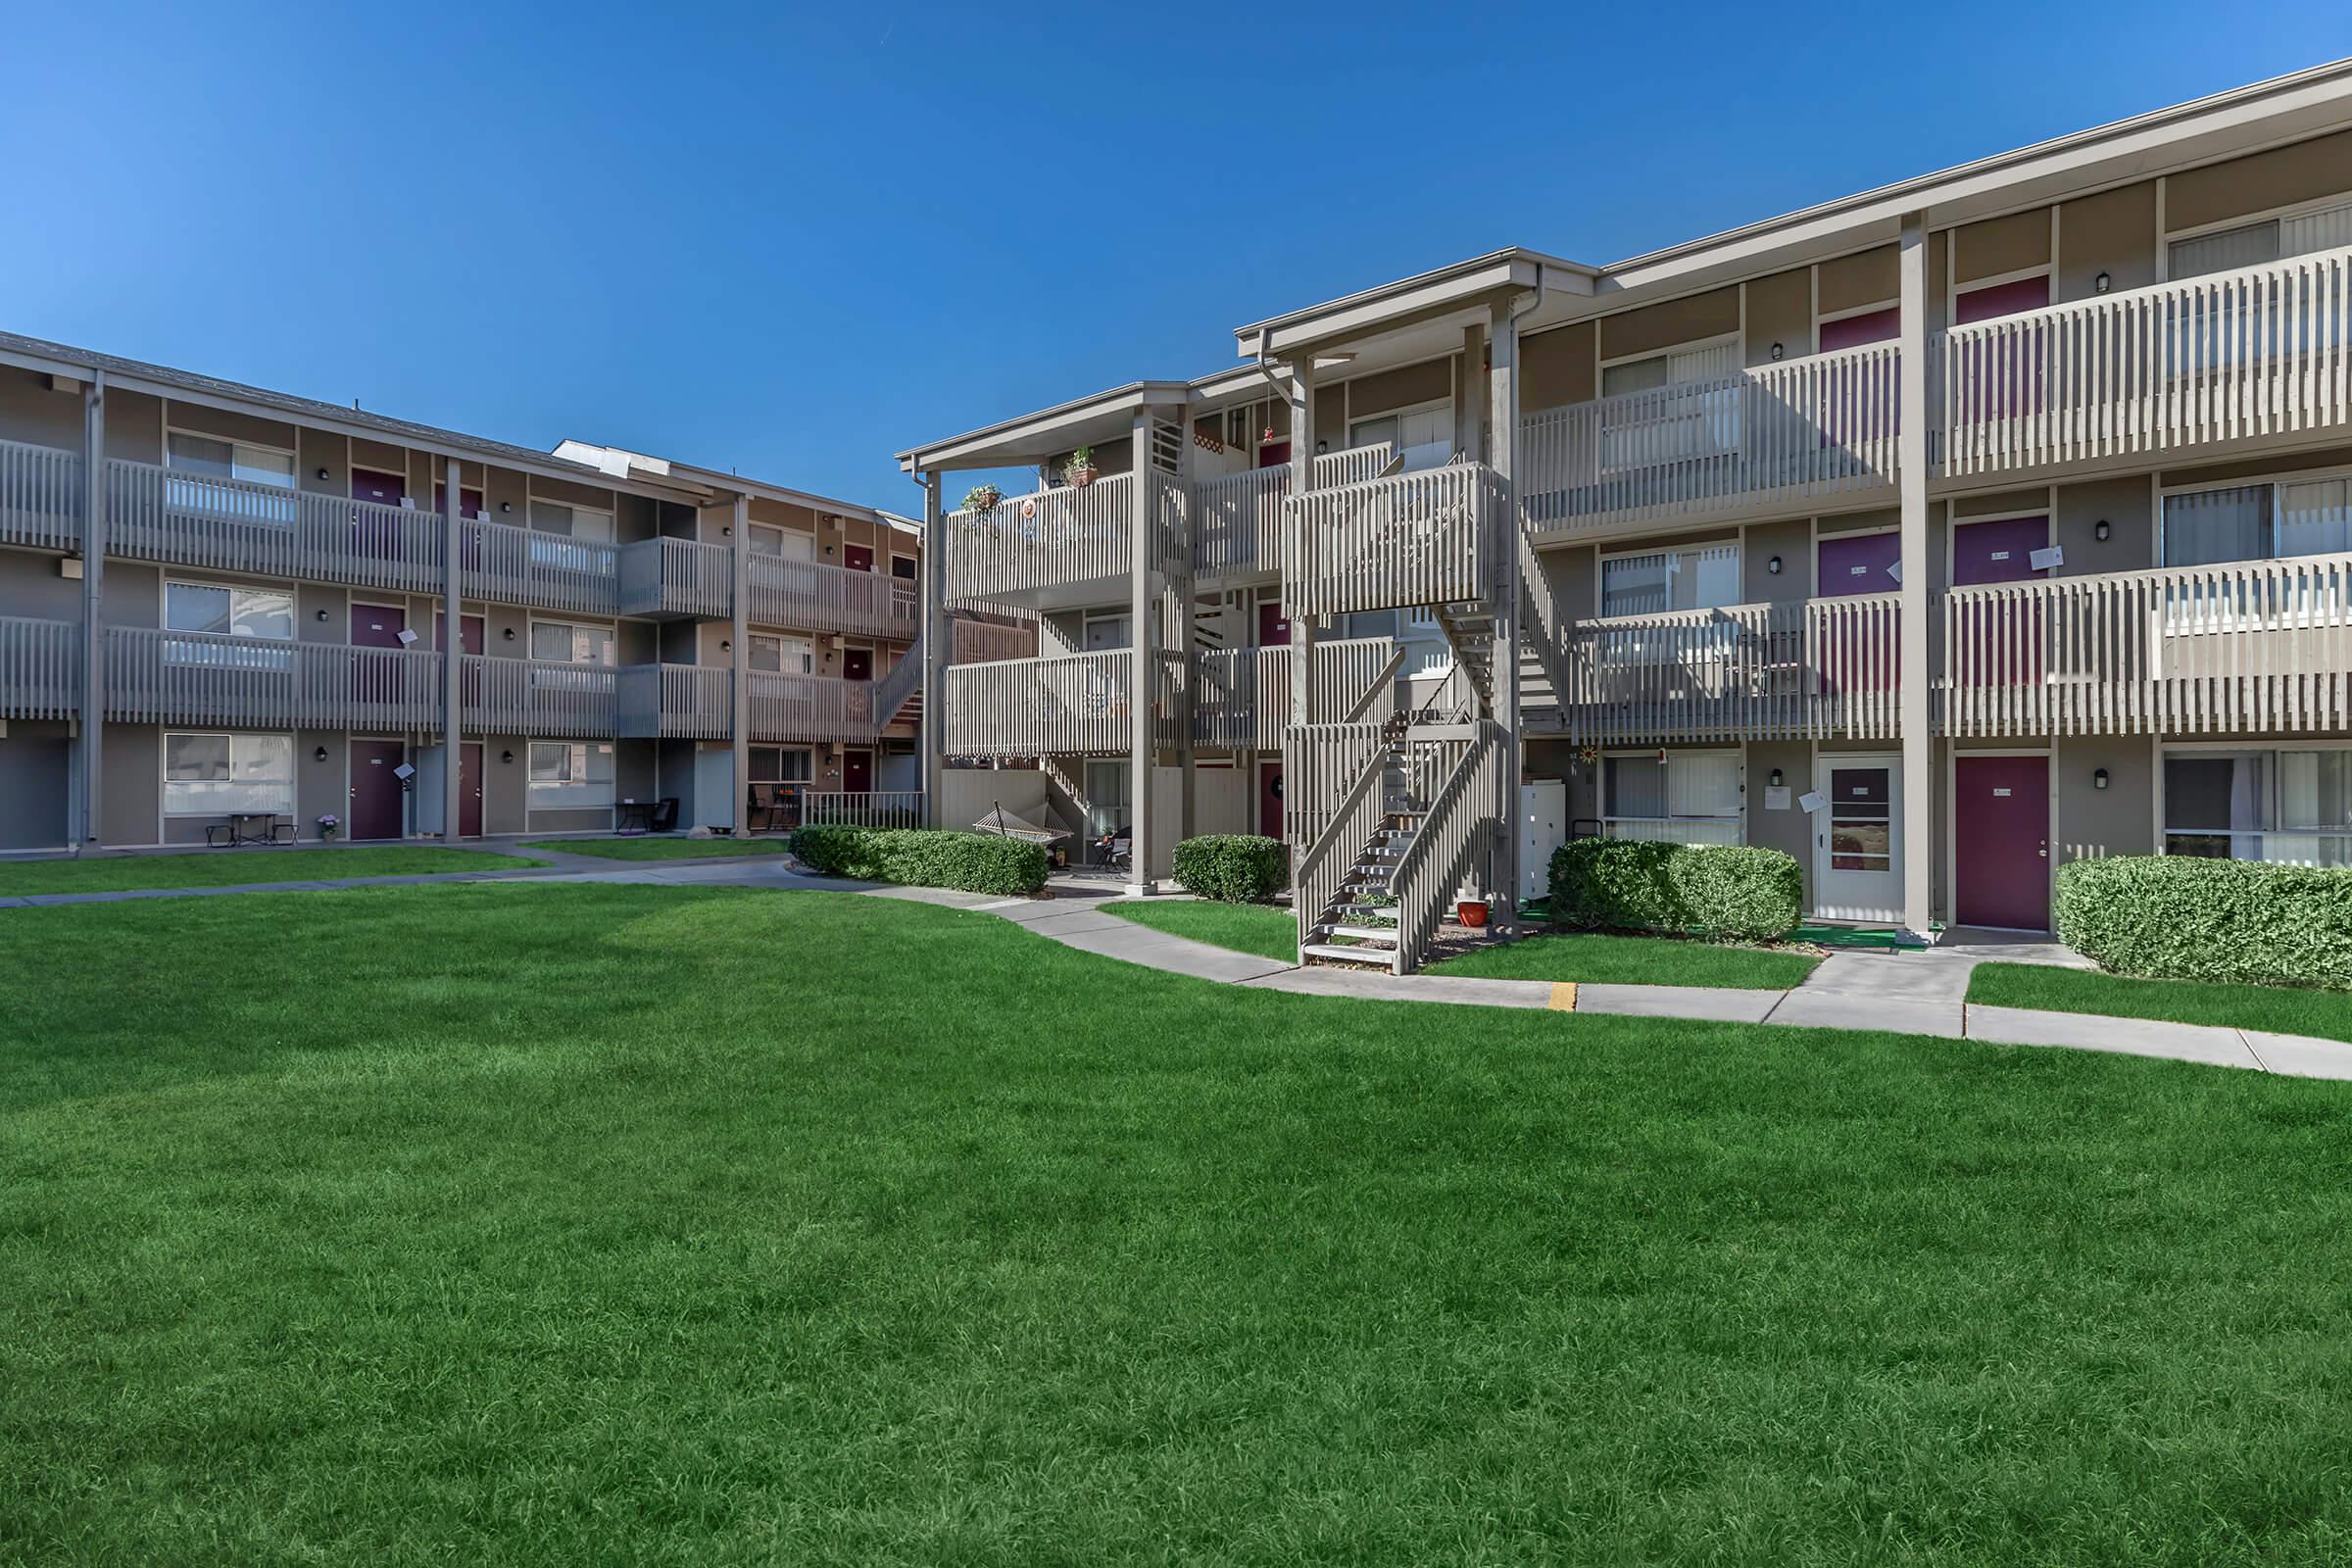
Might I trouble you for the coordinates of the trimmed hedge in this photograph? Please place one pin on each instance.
(2183, 917)
(927, 858)
(1752, 894)
(1233, 868)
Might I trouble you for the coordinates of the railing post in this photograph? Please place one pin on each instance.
(84, 825)
(1911, 605)
(1502, 543)
(1302, 627)
(1142, 647)
(453, 644)
(932, 633)
(739, 687)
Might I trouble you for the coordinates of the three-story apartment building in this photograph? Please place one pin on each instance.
(1937, 535)
(227, 611)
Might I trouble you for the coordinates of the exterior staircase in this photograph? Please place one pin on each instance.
(1358, 925)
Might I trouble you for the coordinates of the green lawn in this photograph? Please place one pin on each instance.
(214, 869)
(665, 846)
(1633, 961)
(535, 1223)
(2281, 1009)
(1259, 928)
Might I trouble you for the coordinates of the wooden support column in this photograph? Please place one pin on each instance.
(1143, 640)
(1470, 414)
(1302, 479)
(931, 733)
(1502, 399)
(453, 652)
(739, 684)
(84, 812)
(1182, 604)
(1919, 746)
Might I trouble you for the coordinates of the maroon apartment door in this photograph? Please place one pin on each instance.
(374, 790)
(1273, 626)
(1997, 642)
(469, 789)
(856, 664)
(373, 533)
(2001, 842)
(858, 557)
(1857, 652)
(374, 680)
(857, 771)
(1269, 800)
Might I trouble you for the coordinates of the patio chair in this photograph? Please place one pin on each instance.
(665, 818)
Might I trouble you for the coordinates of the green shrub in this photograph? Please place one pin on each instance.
(928, 858)
(1752, 894)
(1233, 868)
(2183, 917)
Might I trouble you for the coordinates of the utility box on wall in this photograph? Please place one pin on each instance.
(1543, 828)
(715, 802)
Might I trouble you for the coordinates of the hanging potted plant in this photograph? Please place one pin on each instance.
(1080, 471)
(981, 497)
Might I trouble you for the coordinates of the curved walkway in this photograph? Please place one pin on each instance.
(1909, 993)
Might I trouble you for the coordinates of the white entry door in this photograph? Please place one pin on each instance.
(1858, 838)
(1543, 828)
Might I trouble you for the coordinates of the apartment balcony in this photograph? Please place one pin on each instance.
(1063, 546)
(812, 707)
(154, 514)
(1820, 669)
(1762, 439)
(2247, 647)
(823, 598)
(172, 677)
(1432, 537)
(1241, 696)
(2228, 357)
(674, 702)
(41, 496)
(1237, 517)
(40, 668)
(671, 579)
(1080, 704)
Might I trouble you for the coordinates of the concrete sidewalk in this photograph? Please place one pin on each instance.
(1919, 993)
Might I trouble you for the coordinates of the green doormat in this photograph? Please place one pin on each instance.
(1844, 936)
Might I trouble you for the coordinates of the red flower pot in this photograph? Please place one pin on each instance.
(1470, 914)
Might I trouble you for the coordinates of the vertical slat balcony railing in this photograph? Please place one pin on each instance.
(670, 576)
(538, 697)
(40, 667)
(174, 678)
(1242, 697)
(1061, 538)
(1465, 810)
(811, 708)
(1823, 669)
(988, 642)
(1423, 538)
(1080, 704)
(684, 701)
(826, 598)
(2237, 648)
(40, 495)
(545, 570)
(187, 519)
(2260, 350)
(1335, 796)
(1820, 425)
(905, 679)
(863, 808)
(1237, 517)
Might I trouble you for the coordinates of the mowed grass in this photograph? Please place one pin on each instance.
(216, 868)
(2282, 1010)
(531, 1223)
(1598, 959)
(1259, 928)
(665, 846)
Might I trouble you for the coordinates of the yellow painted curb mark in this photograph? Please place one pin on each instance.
(1563, 997)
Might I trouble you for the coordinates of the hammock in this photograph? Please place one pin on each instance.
(1011, 825)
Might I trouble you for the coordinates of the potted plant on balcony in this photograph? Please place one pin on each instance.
(1080, 471)
(981, 497)
(327, 824)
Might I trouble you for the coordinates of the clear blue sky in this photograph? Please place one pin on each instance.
(791, 239)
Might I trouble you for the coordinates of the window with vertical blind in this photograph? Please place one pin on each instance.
(2269, 239)
(1679, 798)
(2285, 806)
(1682, 405)
(570, 774)
(1698, 577)
(195, 462)
(1423, 438)
(213, 775)
(2267, 521)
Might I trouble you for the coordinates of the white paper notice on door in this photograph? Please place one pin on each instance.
(1810, 800)
(2044, 560)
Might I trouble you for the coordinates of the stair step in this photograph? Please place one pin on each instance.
(1362, 933)
(1374, 958)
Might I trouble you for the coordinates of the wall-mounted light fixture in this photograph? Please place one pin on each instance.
(2101, 529)
(506, 757)
(322, 617)
(318, 754)
(2098, 779)
(507, 634)
(1322, 446)
(1773, 566)
(1777, 352)
(2103, 282)
(1776, 778)
(506, 505)
(828, 550)
(727, 532)
(322, 473)
(725, 647)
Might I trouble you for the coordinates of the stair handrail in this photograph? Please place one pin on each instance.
(905, 677)
(1386, 681)
(1539, 616)
(1346, 826)
(1435, 863)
